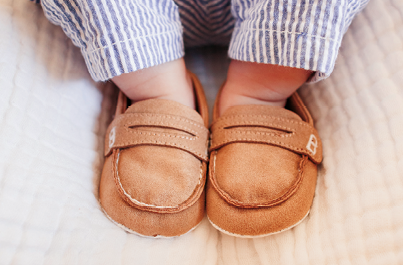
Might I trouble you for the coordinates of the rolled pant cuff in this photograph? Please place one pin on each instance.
(133, 54)
(291, 49)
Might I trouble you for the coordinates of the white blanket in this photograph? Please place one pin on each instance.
(52, 121)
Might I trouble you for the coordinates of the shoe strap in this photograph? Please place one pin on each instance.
(297, 136)
(125, 131)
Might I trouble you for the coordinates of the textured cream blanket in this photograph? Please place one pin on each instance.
(52, 120)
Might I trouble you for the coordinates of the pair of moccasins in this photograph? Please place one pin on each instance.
(261, 161)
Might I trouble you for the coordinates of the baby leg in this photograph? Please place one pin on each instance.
(263, 84)
(169, 80)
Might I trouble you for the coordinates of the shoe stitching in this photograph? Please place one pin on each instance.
(259, 140)
(260, 133)
(138, 203)
(163, 134)
(281, 144)
(243, 132)
(286, 195)
(298, 101)
(167, 117)
(264, 116)
(252, 123)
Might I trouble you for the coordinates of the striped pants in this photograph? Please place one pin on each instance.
(122, 36)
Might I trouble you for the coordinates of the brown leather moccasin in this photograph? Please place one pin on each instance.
(263, 168)
(155, 166)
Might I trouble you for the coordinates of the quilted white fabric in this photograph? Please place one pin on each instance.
(52, 121)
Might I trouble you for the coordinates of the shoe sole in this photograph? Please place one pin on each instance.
(257, 236)
(138, 234)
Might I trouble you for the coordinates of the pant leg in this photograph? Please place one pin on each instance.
(206, 22)
(120, 36)
(296, 33)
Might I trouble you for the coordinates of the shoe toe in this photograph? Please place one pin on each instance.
(155, 176)
(238, 218)
(263, 168)
(145, 223)
(255, 174)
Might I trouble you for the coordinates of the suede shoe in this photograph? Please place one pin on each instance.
(153, 179)
(263, 168)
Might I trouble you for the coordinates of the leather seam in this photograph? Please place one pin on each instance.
(260, 133)
(164, 116)
(258, 140)
(280, 199)
(298, 101)
(292, 147)
(263, 116)
(164, 134)
(128, 198)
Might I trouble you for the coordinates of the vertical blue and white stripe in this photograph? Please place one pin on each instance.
(206, 22)
(296, 33)
(122, 36)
